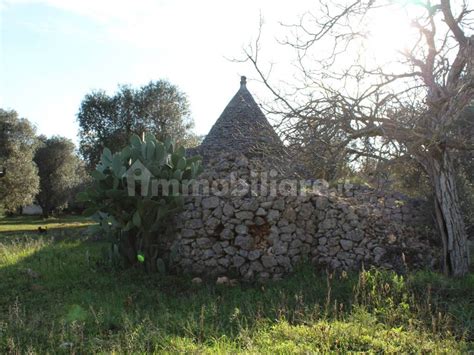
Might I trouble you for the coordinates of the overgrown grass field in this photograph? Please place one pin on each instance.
(59, 294)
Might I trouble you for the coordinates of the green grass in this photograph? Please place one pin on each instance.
(31, 223)
(62, 295)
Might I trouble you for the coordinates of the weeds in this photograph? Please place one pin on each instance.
(79, 303)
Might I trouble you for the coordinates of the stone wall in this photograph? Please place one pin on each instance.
(256, 236)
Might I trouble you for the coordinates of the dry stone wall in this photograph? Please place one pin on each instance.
(251, 235)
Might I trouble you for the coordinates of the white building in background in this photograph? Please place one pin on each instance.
(32, 210)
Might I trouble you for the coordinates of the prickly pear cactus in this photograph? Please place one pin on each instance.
(136, 192)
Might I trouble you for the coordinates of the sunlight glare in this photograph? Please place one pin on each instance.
(390, 31)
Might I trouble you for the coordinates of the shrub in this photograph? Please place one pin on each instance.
(135, 193)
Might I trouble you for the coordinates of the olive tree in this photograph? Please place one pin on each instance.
(19, 181)
(410, 107)
(158, 108)
(59, 170)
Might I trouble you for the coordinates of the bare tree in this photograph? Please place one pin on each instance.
(409, 108)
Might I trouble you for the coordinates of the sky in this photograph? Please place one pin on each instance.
(54, 52)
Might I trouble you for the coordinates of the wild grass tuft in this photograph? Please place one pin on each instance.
(59, 295)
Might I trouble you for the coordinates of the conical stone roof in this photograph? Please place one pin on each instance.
(242, 128)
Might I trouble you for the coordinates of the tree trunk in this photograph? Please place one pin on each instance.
(45, 212)
(448, 214)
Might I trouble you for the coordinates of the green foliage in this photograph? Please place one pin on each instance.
(18, 143)
(127, 201)
(76, 313)
(80, 302)
(60, 172)
(84, 180)
(385, 295)
(108, 121)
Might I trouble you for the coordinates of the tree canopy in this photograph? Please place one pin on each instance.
(159, 108)
(20, 183)
(59, 171)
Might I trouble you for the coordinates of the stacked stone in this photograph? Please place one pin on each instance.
(391, 205)
(352, 233)
(262, 237)
(242, 127)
